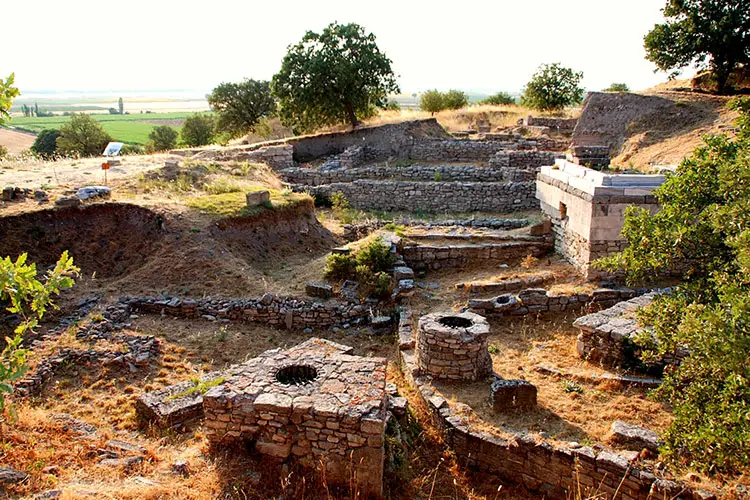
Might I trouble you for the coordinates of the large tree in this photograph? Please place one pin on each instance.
(703, 229)
(337, 76)
(708, 33)
(7, 93)
(552, 88)
(241, 106)
(82, 136)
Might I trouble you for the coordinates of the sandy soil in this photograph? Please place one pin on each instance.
(16, 141)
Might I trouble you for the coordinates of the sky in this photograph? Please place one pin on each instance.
(480, 46)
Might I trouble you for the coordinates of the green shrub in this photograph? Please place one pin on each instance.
(381, 286)
(617, 87)
(45, 144)
(455, 99)
(340, 266)
(552, 88)
(162, 138)
(432, 101)
(500, 99)
(133, 149)
(376, 256)
(82, 136)
(198, 130)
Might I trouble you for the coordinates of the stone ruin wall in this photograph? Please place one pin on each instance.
(422, 257)
(434, 196)
(290, 312)
(551, 469)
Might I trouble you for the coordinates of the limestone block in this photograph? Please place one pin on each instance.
(255, 198)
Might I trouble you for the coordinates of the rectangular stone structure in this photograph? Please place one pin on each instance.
(314, 404)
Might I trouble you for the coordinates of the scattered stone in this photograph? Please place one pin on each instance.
(67, 202)
(49, 494)
(125, 447)
(127, 462)
(381, 322)
(90, 192)
(512, 394)
(321, 290)
(181, 467)
(398, 406)
(255, 198)
(403, 273)
(634, 437)
(9, 475)
(76, 426)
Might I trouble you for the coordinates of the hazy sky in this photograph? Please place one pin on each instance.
(186, 44)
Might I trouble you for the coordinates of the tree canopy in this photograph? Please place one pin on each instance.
(704, 228)
(617, 87)
(45, 144)
(82, 136)
(552, 88)
(198, 130)
(241, 106)
(707, 33)
(7, 93)
(499, 99)
(432, 101)
(337, 76)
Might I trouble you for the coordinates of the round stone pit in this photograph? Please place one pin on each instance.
(453, 346)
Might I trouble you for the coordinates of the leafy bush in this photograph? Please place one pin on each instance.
(617, 87)
(340, 266)
(432, 101)
(376, 256)
(241, 106)
(45, 144)
(552, 88)
(82, 136)
(392, 106)
(7, 93)
(499, 99)
(133, 149)
(29, 298)
(704, 228)
(198, 130)
(162, 138)
(3, 151)
(455, 99)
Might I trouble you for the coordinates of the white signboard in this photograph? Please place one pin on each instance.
(113, 148)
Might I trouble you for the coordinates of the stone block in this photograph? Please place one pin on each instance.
(321, 290)
(634, 437)
(255, 198)
(512, 394)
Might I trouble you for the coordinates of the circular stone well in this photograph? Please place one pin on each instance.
(453, 346)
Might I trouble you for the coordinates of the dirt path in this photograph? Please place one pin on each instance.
(16, 141)
(34, 174)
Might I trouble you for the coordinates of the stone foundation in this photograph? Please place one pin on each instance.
(311, 404)
(422, 257)
(453, 346)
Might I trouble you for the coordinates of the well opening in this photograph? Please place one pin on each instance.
(455, 322)
(296, 375)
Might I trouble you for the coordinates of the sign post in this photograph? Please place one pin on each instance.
(112, 151)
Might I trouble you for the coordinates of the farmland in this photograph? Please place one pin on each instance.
(131, 129)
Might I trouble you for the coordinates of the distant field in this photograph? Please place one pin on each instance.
(131, 129)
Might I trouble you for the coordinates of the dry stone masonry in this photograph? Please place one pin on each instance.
(422, 257)
(313, 404)
(453, 346)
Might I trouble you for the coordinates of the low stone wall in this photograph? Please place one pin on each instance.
(457, 149)
(276, 156)
(289, 312)
(359, 230)
(556, 471)
(559, 125)
(536, 301)
(506, 285)
(421, 257)
(434, 196)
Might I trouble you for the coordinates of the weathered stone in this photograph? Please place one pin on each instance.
(454, 346)
(9, 475)
(255, 198)
(322, 290)
(634, 437)
(512, 394)
(90, 192)
(67, 202)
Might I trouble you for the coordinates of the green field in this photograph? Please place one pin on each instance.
(131, 129)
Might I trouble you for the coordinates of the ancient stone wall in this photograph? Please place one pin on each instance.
(555, 470)
(457, 150)
(289, 312)
(453, 346)
(421, 257)
(276, 155)
(434, 196)
(559, 125)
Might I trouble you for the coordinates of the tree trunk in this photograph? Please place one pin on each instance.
(350, 113)
(722, 72)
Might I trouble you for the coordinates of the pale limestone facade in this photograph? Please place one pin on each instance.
(587, 208)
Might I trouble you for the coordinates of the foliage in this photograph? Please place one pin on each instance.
(376, 256)
(120, 106)
(240, 107)
(198, 130)
(82, 136)
(369, 265)
(392, 105)
(29, 298)
(340, 266)
(707, 33)
(7, 93)
(500, 99)
(337, 76)
(617, 87)
(162, 138)
(432, 101)
(552, 88)
(455, 99)
(132, 149)
(3, 151)
(45, 144)
(704, 228)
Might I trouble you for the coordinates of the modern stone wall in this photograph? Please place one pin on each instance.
(434, 196)
(557, 471)
(289, 312)
(422, 257)
(587, 208)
